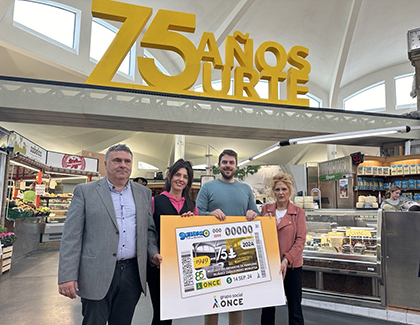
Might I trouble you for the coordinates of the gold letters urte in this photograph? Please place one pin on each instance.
(240, 62)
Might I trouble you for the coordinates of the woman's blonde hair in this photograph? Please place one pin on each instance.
(392, 189)
(286, 179)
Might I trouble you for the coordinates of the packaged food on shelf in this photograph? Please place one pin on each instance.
(393, 169)
(376, 184)
(411, 184)
(368, 170)
(360, 183)
(381, 183)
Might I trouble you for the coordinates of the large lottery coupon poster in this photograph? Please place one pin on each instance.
(214, 267)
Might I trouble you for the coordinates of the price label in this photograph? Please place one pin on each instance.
(39, 189)
(358, 233)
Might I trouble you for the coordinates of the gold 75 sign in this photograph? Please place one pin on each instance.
(163, 34)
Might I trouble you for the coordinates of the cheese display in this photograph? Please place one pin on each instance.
(346, 240)
(367, 202)
(308, 202)
(308, 205)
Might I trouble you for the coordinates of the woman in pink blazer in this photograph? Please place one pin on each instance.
(291, 234)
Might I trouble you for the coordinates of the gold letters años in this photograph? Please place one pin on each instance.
(163, 34)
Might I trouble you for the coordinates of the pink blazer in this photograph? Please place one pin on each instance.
(291, 232)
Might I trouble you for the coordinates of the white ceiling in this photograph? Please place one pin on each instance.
(347, 40)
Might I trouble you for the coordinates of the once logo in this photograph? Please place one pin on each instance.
(208, 284)
(232, 302)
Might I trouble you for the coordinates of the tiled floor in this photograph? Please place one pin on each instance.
(380, 314)
(28, 295)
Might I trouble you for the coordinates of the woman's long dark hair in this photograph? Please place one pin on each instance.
(181, 163)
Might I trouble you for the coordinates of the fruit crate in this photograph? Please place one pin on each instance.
(6, 258)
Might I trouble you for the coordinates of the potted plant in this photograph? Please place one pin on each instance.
(7, 238)
(241, 172)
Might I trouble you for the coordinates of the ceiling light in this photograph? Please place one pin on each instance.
(244, 162)
(200, 167)
(22, 165)
(266, 151)
(69, 178)
(330, 137)
(347, 135)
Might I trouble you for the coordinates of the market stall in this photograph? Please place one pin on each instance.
(32, 169)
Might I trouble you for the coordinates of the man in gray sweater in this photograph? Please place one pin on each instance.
(226, 197)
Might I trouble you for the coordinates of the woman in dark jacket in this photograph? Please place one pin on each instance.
(174, 200)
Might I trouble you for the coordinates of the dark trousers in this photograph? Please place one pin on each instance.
(153, 280)
(117, 308)
(293, 290)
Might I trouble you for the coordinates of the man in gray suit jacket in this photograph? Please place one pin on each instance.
(109, 237)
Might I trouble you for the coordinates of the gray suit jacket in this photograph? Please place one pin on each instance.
(89, 244)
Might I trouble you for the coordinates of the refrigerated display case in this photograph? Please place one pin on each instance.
(54, 224)
(342, 255)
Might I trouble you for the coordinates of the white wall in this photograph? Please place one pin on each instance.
(386, 75)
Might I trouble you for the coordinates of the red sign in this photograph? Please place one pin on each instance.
(73, 162)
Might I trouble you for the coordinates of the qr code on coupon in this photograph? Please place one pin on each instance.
(187, 271)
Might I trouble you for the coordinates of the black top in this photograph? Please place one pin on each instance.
(163, 206)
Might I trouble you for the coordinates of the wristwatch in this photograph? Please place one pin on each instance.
(285, 259)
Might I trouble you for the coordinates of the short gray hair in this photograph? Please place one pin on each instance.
(117, 147)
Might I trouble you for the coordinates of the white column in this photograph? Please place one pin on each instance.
(179, 147)
(331, 151)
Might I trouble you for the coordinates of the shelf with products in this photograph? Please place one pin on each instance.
(373, 185)
(377, 174)
(398, 166)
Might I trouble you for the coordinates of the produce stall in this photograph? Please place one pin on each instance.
(51, 219)
(31, 167)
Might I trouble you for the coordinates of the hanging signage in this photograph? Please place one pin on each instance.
(39, 189)
(28, 148)
(241, 63)
(62, 160)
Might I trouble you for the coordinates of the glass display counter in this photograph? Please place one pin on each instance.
(342, 254)
(53, 227)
